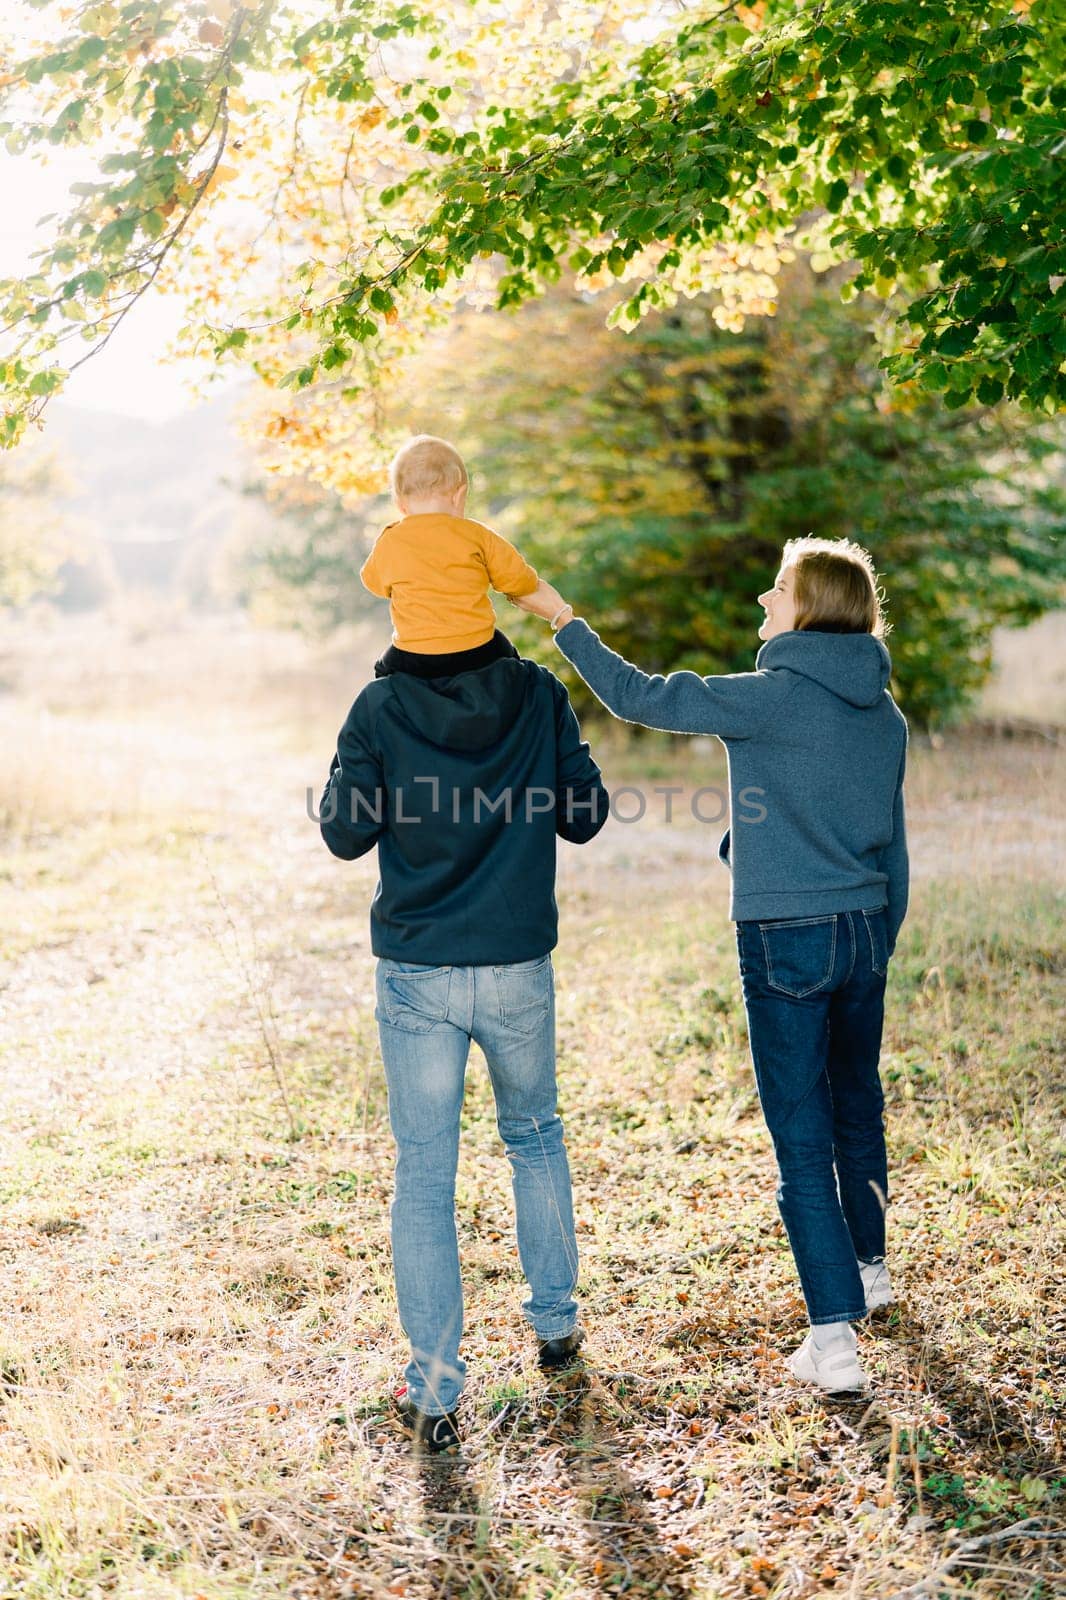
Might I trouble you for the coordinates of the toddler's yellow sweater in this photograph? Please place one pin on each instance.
(436, 570)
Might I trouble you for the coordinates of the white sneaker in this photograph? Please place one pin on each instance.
(836, 1367)
(876, 1285)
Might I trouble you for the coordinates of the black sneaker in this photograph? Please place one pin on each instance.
(431, 1432)
(554, 1354)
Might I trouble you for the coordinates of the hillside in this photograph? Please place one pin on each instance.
(154, 498)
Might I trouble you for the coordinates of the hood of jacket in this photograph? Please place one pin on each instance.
(854, 666)
(465, 710)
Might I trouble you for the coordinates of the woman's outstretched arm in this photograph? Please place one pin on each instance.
(732, 705)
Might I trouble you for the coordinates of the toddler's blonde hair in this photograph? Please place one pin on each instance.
(836, 587)
(426, 466)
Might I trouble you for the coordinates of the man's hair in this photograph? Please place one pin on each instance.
(836, 587)
(426, 466)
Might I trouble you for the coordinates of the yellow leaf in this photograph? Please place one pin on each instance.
(220, 175)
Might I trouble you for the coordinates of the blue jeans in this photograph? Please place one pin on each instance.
(427, 1017)
(814, 992)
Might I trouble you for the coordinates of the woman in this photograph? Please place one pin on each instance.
(818, 855)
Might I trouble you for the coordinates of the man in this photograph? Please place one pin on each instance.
(463, 769)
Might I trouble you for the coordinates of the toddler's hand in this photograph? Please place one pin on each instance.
(543, 602)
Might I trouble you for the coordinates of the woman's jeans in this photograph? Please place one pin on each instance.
(814, 991)
(427, 1017)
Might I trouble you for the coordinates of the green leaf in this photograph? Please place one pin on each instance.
(934, 375)
(836, 194)
(114, 238)
(954, 341)
(88, 51)
(46, 382)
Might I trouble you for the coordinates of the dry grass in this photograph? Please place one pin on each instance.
(197, 1323)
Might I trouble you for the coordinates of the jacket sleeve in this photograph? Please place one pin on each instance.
(733, 705)
(895, 862)
(371, 573)
(581, 801)
(509, 573)
(353, 810)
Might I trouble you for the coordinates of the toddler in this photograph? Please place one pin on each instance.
(435, 565)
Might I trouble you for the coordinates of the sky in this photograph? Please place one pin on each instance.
(128, 375)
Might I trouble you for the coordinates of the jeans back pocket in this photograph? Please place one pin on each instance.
(413, 1000)
(525, 990)
(800, 953)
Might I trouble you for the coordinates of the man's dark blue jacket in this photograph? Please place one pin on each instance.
(463, 779)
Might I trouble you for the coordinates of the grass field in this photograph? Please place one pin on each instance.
(197, 1331)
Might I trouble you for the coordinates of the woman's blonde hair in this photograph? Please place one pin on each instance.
(836, 587)
(426, 466)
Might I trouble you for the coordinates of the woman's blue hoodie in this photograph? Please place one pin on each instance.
(816, 749)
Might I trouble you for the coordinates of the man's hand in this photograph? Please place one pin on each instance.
(544, 602)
